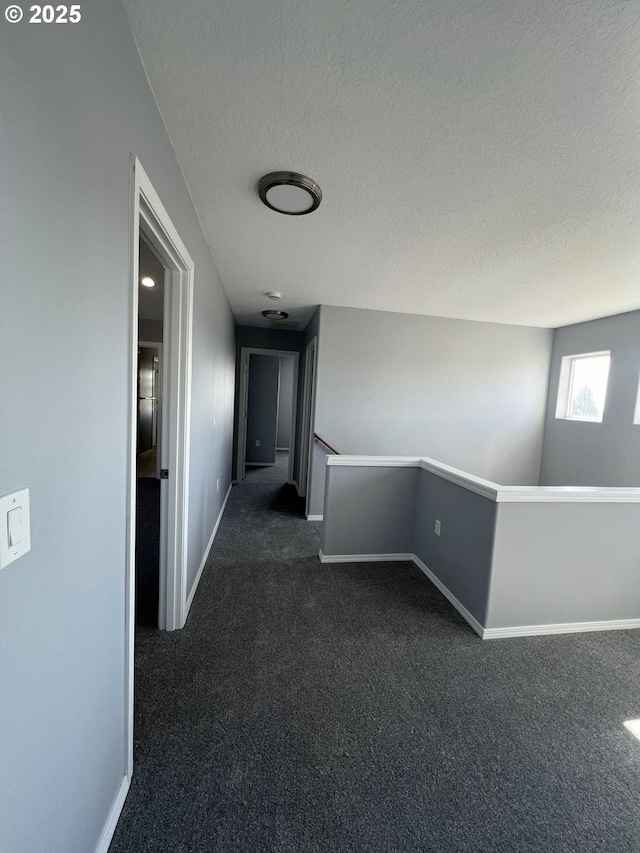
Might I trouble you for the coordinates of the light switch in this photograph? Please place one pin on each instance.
(14, 526)
(15, 533)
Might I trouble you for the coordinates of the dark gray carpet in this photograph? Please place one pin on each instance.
(310, 707)
(147, 551)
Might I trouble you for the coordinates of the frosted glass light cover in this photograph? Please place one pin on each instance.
(289, 199)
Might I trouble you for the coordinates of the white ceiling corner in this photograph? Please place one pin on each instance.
(477, 159)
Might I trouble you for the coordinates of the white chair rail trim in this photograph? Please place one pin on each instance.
(490, 490)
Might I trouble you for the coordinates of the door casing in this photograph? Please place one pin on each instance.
(149, 217)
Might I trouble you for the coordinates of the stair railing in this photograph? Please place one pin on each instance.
(321, 440)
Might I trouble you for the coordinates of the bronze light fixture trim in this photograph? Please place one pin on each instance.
(290, 193)
(270, 314)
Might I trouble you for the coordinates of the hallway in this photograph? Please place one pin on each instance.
(310, 708)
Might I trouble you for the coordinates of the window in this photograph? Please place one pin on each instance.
(583, 386)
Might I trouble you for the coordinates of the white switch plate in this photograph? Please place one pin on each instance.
(437, 527)
(10, 503)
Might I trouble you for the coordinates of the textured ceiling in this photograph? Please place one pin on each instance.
(478, 159)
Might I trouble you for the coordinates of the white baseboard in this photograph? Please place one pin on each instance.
(315, 517)
(206, 554)
(462, 610)
(561, 628)
(114, 815)
(365, 558)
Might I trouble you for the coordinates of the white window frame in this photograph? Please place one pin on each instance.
(565, 386)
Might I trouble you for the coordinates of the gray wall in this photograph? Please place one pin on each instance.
(596, 454)
(468, 394)
(262, 409)
(565, 562)
(369, 510)
(312, 329)
(75, 105)
(285, 402)
(460, 557)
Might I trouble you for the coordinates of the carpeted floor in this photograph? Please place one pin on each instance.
(312, 708)
(147, 551)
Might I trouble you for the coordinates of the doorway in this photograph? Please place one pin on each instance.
(149, 407)
(151, 224)
(268, 383)
(149, 509)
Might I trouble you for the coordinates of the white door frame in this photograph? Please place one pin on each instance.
(149, 217)
(245, 354)
(308, 401)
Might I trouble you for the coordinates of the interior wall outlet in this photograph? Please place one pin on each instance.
(258, 442)
(218, 485)
(437, 527)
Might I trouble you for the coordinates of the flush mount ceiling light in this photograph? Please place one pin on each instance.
(290, 193)
(275, 315)
(274, 294)
(147, 281)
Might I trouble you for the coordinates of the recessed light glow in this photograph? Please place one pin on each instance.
(634, 727)
(147, 282)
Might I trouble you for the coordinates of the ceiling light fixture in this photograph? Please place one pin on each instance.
(147, 281)
(274, 294)
(290, 193)
(275, 315)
